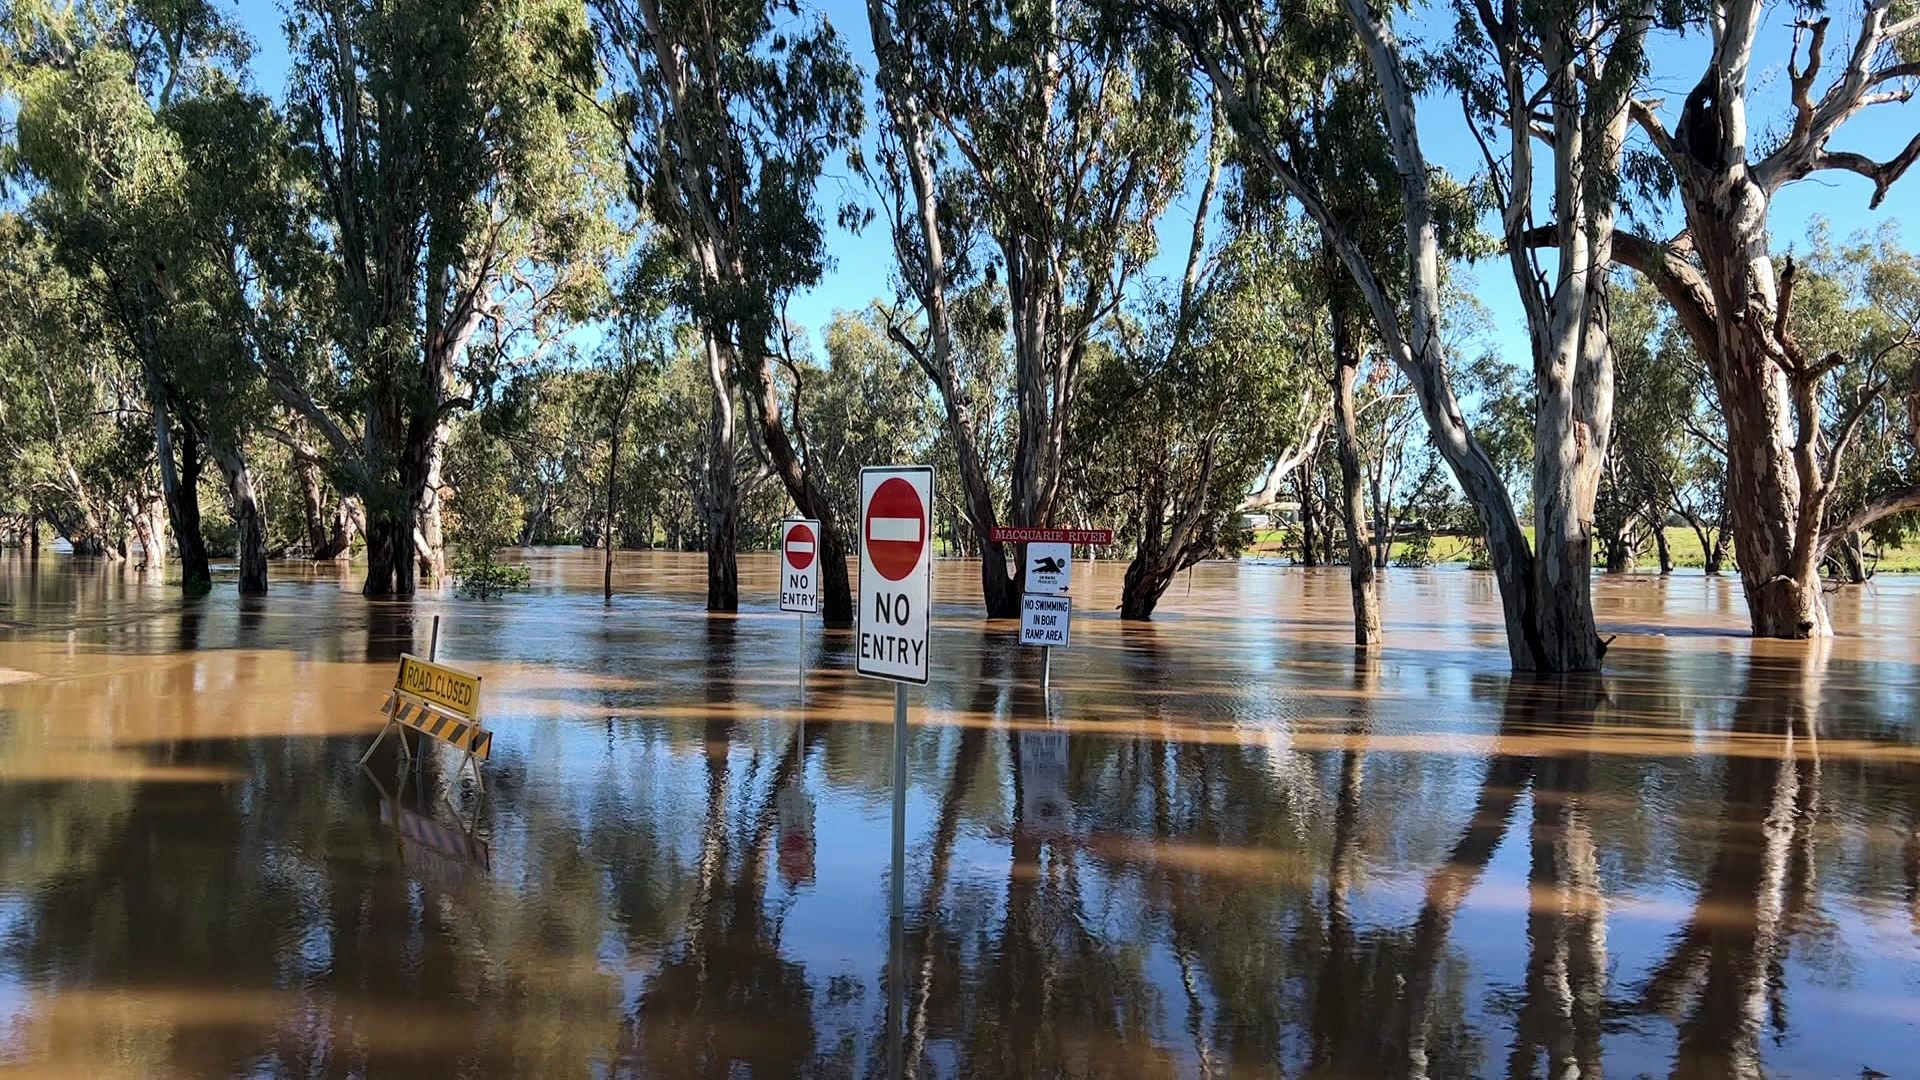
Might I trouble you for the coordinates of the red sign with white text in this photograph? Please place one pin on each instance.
(1008, 534)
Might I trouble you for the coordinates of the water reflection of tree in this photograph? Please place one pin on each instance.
(1723, 979)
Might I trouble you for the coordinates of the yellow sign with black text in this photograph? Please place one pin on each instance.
(436, 684)
(439, 701)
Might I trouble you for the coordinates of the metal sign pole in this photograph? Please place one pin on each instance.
(803, 652)
(897, 999)
(1046, 667)
(433, 643)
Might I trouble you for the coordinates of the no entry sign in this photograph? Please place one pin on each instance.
(799, 563)
(896, 572)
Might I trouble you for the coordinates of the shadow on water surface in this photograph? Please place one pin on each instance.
(1222, 845)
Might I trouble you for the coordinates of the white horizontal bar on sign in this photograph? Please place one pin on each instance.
(800, 547)
(904, 530)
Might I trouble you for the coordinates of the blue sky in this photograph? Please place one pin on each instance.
(862, 262)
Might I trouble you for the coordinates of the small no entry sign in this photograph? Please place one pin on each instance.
(799, 561)
(896, 572)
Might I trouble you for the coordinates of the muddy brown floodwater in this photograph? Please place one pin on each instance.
(1221, 846)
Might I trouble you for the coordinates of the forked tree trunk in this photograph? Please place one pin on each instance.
(1353, 507)
(1145, 583)
(180, 487)
(1544, 593)
(1725, 295)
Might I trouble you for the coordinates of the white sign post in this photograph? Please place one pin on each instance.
(1049, 568)
(894, 624)
(1046, 621)
(800, 577)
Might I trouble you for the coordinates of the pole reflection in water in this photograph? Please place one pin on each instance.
(1228, 846)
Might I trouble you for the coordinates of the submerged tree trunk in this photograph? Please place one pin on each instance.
(1309, 550)
(1353, 507)
(1620, 551)
(613, 482)
(180, 487)
(196, 577)
(311, 507)
(391, 505)
(431, 540)
(803, 487)
(347, 520)
(250, 531)
(1660, 545)
(1849, 558)
(722, 492)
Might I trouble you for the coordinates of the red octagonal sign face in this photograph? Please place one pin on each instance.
(799, 547)
(896, 529)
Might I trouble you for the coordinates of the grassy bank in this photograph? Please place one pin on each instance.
(1684, 544)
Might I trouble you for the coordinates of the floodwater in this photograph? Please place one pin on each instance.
(1220, 846)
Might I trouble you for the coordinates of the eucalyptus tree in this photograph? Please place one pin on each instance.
(1190, 392)
(1035, 143)
(75, 449)
(728, 112)
(1267, 63)
(1736, 304)
(461, 194)
(101, 92)
(1860, 300)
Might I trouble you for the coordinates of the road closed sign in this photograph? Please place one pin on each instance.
(1046, 620)
(800, 566)
(896, 572)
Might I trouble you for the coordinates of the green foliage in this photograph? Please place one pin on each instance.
(1184, 407)
(485, 514)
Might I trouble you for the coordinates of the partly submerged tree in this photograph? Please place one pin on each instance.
(108, 99)
(1267, 64)
(1721, 277)
(1192, 392)
(461, 189)
(729, 111)
(1034, 143)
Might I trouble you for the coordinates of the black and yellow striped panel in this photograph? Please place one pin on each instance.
(461, 734)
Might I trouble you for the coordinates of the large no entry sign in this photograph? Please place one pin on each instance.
(896, 572)
(799, 558)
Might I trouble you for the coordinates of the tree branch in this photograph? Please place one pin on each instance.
(1886, 505)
